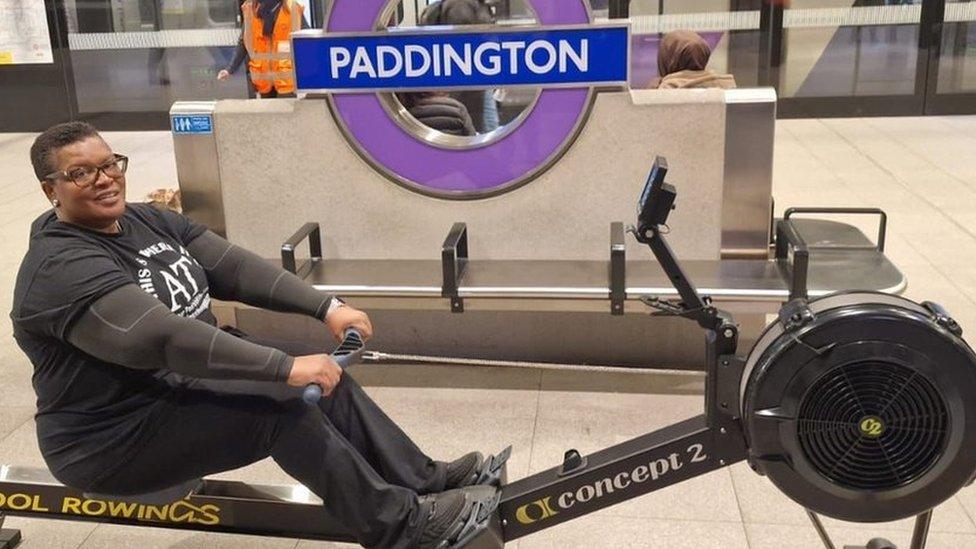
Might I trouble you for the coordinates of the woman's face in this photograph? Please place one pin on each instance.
(100, 202)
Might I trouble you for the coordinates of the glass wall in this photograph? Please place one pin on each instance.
(842, 48)
(827, 57)
(124, 62)
(957, 60)
(142, 55)
(131, 56)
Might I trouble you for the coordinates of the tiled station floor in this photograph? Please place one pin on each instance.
(921, 170)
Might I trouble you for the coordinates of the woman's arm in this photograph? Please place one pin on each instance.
(131, 328)
(240, 54)
(235, 274)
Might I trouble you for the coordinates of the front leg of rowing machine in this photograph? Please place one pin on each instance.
(722, 370)
(9, 538)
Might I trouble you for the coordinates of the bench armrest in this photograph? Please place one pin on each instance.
(312, 232)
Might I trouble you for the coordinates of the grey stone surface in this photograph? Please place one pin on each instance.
(598, 179)
(50, 534)
(160, 538)
(762, 503)
(776, 536)
(604, 530)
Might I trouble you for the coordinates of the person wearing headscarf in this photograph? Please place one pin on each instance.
(682, 60)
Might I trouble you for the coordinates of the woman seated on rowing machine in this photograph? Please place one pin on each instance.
(138, 390)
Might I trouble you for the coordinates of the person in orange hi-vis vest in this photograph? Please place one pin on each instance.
(268, 24)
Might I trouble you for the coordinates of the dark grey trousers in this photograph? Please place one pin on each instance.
(345, 450)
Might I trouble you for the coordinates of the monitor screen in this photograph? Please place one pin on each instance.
(654, 179)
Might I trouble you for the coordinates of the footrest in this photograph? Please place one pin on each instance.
(161, 497)
(494, 468)
(478, 521)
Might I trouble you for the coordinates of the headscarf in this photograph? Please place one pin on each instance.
(682, 50)
(268, 13)
(456, 12)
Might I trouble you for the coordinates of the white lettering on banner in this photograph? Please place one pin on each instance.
(530, 57)
(382, 69)
(495, 61)
(513, 52)
(487, 59)
(362, 63)
(339, 58)
(452, 57)
(414, 71)
(437, 58)
(581, 59)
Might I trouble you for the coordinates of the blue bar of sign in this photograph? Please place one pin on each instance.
(395, 61)
(192, 124)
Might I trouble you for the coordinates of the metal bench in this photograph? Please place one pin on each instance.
(821, 255)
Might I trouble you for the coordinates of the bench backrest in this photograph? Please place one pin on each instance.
(269, 166)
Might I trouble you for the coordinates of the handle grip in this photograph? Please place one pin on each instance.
(350, 351)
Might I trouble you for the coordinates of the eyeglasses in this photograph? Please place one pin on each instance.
(86, 176)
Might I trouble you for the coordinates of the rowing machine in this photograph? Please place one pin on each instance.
(854, 405)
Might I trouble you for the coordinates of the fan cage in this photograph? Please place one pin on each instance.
(872, 425)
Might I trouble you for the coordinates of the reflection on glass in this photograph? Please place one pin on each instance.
(142, 55)
(957, 62)
(863, 48)
(469, 113)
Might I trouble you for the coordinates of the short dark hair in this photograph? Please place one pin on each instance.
(54, 138)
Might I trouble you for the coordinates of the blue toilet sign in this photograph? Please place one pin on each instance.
(184, 124)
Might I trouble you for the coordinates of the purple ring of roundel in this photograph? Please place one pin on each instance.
(487, 169)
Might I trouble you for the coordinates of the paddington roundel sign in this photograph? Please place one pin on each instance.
(360, 68)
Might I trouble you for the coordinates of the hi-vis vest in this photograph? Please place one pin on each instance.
(270, 56)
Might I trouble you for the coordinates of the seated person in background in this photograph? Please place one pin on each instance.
(439, 111)
(479, 104)
(139, 391)
(681, 62)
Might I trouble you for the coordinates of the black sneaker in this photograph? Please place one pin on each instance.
(472, 469)
(456, 516)
(464, 471)
(446, 514)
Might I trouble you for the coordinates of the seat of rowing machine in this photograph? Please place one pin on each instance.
(159, 497)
